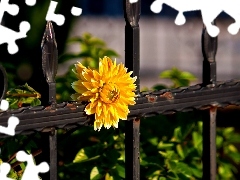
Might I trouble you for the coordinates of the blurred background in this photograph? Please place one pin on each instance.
(163, 44)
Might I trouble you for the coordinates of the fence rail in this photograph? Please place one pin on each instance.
(71, 114)
(208, 96)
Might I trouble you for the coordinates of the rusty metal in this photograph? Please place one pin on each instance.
(151, 98)
(209, 144)
(193, 97)
(167, 95)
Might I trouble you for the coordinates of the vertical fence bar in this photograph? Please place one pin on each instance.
(209, 50)
(3, 82)
(132, 61)
(53, 154)
(209, 144)
(49, 66)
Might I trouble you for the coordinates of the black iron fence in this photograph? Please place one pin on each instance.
(207, 96)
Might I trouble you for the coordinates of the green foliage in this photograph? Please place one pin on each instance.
(99, 155)
(11, 145)
(179, 78)
(23, 95)
(91, 49)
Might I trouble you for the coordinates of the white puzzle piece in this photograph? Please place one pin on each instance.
(4, 170)
(59, 19)
(209, 9)
(13, 121)
(7, 35)
(32, 170)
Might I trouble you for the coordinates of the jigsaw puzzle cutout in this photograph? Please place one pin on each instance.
(7, 35)
(133, 1)
(13, 121)
(31, 171)
(4, 170)
(51, 16)
(209, 9)
(59, 19)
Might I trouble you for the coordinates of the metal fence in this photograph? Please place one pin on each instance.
(207, 96)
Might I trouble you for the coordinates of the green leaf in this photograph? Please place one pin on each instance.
(177, 134)
(219, 141)
(163, 145)
(121, 171)
(235, 156)
(23, 95)
(108, 177)
(187, 75)
(30, 146)
(197, 172)
(169, 155)
(184, 169)
(166, 74)
(162, 178)
(153, 141)
(95, 174)
(197, 140)
(180, 151)
(81, 156)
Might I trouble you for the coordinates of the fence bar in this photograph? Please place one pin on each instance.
(132, 62)
(132, 44)
(49, 67)
(3, 82)
(50, 61)
(209, 145)
(53, 154)
(132, 155)
(209, 50)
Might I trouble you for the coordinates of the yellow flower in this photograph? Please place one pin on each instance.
(109, 91)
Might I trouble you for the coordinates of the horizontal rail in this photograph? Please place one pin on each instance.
(71, 114)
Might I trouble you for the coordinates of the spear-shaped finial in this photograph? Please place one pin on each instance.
(209, 50)
(50, 60)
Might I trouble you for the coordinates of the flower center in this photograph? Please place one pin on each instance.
(109, 93)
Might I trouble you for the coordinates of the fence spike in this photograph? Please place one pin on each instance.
(50, 60)
(132, 42)
(209, 50)
(132, 12)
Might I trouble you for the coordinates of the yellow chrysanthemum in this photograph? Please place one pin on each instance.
(109, 91)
